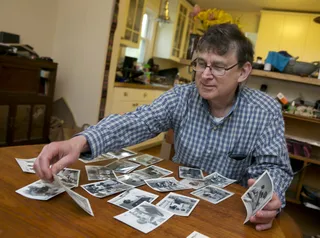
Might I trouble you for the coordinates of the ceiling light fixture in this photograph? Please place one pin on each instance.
(164, 18)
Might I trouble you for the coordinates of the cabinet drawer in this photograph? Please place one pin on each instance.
(129, 94)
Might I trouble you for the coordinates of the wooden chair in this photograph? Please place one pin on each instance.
(167, 146)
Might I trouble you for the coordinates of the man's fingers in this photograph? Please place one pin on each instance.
(251, 182)
(263, 216)
(261, 227)
(36, 167)
(274, 204)
(50, 151)
(62, 163)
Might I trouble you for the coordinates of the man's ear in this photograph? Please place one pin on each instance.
(245, 72)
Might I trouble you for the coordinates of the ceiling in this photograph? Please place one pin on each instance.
(257, 5)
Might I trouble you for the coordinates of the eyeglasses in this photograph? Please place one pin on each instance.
(201, 65)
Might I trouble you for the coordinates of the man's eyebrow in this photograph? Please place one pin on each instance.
(214, 62)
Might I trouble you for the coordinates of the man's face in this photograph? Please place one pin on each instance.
(212, 87)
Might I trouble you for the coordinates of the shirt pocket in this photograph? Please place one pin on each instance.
(235, 165)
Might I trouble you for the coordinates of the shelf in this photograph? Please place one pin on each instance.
(309, 160)
(302, 118)
(291, 197)
(142, 86)
(286, 77)
(301, 139)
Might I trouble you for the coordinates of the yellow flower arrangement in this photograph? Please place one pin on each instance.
(213, 16)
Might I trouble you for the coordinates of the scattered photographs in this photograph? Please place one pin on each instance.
(26, 165)
(123, 153)
(196, 234)
(218, 180)
(146, 159)
(132, 198)
(69, 177)
(190, 173)
(132, 179)
(99, 173)
(212, 194)
(178, 204)
(258, 195)
(153, 171)
(122, 166)
(165, 184)
(87, 158)
(105, 188)
(195, 184)
(145, 217)
(40, 190)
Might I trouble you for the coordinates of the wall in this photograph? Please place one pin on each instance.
(249, 20)
(80, 45)
(33, 20)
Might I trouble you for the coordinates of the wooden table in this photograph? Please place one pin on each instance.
(61, 217)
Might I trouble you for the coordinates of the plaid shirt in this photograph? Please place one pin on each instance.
(248, 141)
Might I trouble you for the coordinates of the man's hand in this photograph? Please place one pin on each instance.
(264, 218)
(58, 155)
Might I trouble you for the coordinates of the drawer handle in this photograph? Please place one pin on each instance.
(135, 104)
(125, 94)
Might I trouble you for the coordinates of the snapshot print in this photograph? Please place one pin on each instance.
(133, 179)
(190, 173)
(120, 154)
(194, 184)
(146, 159)
(40, 190)
(178, 204)
(218, 180)
(105, 188)
(258, 195)
(132, 198)
(26, 165)
(153, 171)
(165, 184)
(212, 194)
(145, 217)
(69, 177)
(102, 157)
(79, 199)
(122, 166)
(99, 173)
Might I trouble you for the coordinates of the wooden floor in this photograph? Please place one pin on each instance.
(307, 219)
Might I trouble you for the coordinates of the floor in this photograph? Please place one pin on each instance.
(307, 219)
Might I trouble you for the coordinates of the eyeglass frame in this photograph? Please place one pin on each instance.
(210, 67)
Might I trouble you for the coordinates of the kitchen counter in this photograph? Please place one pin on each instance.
(143, 86)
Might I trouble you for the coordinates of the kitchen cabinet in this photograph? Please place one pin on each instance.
(133, 13)
(293, 32)
(127, 100)
(172, 39)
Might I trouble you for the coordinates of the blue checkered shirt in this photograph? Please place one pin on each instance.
(248, 141)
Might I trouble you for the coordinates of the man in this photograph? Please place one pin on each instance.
(219, 124)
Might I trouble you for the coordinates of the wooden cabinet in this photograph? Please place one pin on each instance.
(295, 33)
(26, 95)
(172, 39)
(133, 10)
(127, 100)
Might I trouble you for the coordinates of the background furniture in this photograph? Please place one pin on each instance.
(60, 216)
(26, 95)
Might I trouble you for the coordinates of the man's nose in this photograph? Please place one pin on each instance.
(207, 73)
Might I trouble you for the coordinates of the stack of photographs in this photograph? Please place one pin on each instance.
(120, 154)
(153, 171)
(146, 159)
(99, 173)
(190, 173)
(165, 184)
(105, 188)
(133, 179)
(122, 166)
(132, 198)
(87, 158)
(218, 180)
(212, 194)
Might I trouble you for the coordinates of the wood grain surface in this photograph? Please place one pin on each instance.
(61, 217)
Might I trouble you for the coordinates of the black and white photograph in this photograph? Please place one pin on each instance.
(212, 194)
(178, 204)
(99, 173)
(40, 190)
(165, 184)
(218, 180)
(133, 179)
(122, 166)
(26, 165)
(145, 159)
(194, 184)
(105, 188)
(258, 195)
(190, 173)
(153, 171)
(102, 157)
(79, 199)
(69, 177)
(123, 153)
(196, 234)
(145, 217)
(132, 198)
